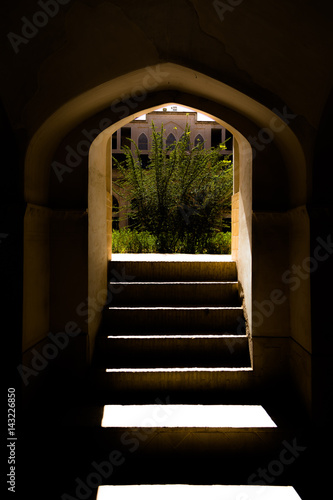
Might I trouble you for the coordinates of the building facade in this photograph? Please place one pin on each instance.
(210, 133)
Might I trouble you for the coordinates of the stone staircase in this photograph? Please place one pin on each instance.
(173, 326)
(174, 339)
(173, 344)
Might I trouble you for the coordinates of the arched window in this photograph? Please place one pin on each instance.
(170, 142)
(199, 140)
(143, 142)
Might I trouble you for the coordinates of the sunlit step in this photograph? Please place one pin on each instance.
(174, 267)
(191, 416)
(196, 492)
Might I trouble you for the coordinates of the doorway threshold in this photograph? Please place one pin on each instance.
(170, 257)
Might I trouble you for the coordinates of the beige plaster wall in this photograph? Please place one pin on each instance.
(271, 309)
(243, 162)
(235, 225)
(55, 282)
(281, 298)
(68, 264)
(98, 249)
(109, 223)
(298, 276)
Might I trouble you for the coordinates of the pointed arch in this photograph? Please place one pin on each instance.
(143, 142)
(242, 115)
(72, 113)
(170, 142)
(199, 140)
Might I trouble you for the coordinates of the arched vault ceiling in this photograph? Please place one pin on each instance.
(167, 76)
(277, 51)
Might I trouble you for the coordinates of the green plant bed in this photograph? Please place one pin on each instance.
(133, 241)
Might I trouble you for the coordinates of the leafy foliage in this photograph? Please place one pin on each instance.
(181, 195)
(128, 240)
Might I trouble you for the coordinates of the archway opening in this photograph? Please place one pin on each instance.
(94, 117)
(193, 202)
(100, 167)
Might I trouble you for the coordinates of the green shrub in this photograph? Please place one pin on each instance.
(133, 241)
(220, 243)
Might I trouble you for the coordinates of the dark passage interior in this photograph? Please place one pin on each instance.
(89, 332)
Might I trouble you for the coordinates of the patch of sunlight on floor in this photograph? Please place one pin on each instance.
(204, 416)
(194, 492)
(170, 257)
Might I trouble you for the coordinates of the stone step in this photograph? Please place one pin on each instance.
(159, 455)
(200, 429)
(230, 440)
(165, 319)
(220, 428)
(168, 293)
(114, 381)
(135, 351)
(163, 455)
(128, 271)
